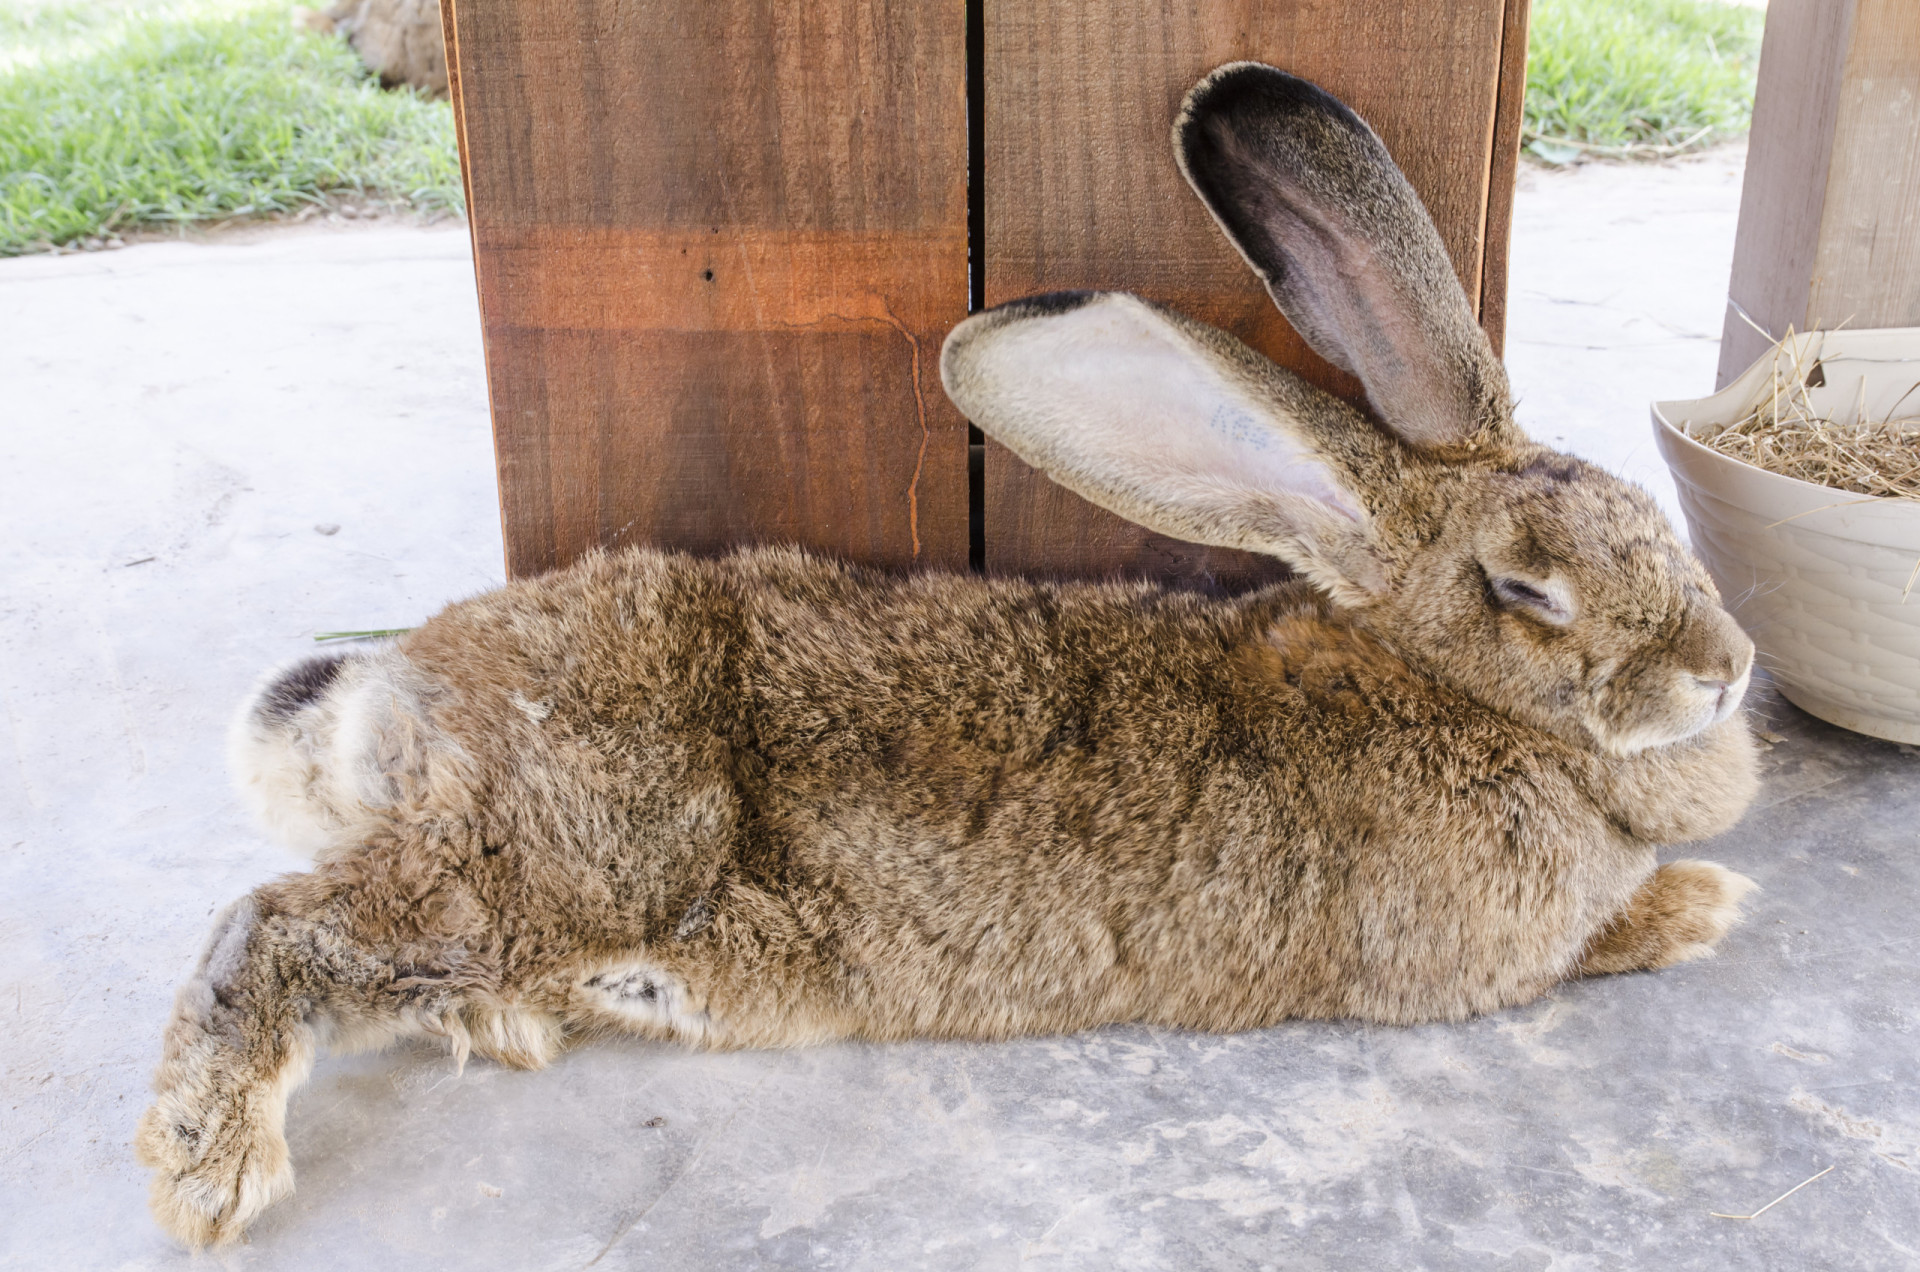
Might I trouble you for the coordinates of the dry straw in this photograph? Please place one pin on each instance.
(1776, 1201)
(1785, 433)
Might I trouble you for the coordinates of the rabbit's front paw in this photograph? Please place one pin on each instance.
(1703, 901)
(219, 1157)
(1678, 915)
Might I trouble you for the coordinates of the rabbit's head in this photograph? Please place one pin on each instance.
(1534, 582)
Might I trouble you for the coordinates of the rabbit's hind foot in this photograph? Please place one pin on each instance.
(1679, 914)
(218, 1149)
(214, 1135)
(285, 971)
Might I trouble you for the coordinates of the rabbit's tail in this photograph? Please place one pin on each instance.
(330, 745)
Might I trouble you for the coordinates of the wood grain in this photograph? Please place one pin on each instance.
(1796, 104)
(1503, 170)
(1867, 273)
(718, 245)
(1830, 212)
(1082, 191)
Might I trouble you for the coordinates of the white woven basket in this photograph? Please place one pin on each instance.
(1822, 579)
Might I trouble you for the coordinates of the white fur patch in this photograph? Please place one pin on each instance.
(316, 776)
(514, 1036)
(649, 999)
(221, 962)
(536, 712)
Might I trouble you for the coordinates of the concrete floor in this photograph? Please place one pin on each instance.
(179, 418)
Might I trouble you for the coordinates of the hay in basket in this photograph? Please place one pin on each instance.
(1784, 433)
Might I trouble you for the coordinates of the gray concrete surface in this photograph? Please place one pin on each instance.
(175, 421)
(1616, 295)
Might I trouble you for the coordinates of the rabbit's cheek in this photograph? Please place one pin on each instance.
(1655, 711)
(1708, 701)
(1632, 715)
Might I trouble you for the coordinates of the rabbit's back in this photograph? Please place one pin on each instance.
(833, 801)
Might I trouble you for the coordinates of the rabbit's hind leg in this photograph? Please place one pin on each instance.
(1678, 914)
(286, 970)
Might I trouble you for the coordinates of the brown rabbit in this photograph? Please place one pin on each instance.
(772, 800)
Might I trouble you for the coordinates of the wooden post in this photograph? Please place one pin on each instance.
(1830, 212)
(1082, 191)
(718, 245)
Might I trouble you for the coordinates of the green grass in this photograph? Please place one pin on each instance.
(114, 116)
(1639, 74)
(112, 119)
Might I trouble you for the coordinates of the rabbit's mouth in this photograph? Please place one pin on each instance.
(1727, 696)
(1699, 703)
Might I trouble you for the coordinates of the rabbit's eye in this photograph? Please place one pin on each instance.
(1513, 593)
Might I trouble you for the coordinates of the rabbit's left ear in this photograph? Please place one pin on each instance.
(1311, 198)
(1169, 423)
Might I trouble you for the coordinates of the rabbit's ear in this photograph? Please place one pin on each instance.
(1313, 201)
(1170, 424)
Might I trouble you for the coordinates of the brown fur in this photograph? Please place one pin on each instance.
(770, 800)
(1677, 915)
(399, 40)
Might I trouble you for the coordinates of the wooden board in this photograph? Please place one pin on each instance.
(1830, 211)
(1508, 114)
(718, 245)
(1082, 191)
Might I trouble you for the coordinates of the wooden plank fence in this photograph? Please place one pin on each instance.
(718, 244)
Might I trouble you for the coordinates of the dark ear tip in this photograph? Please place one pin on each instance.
(1044, 304)
(1253, 88)
(1235, 79)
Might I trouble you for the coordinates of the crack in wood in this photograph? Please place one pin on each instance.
(888, 318)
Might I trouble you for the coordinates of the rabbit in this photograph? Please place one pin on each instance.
(769, 800)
